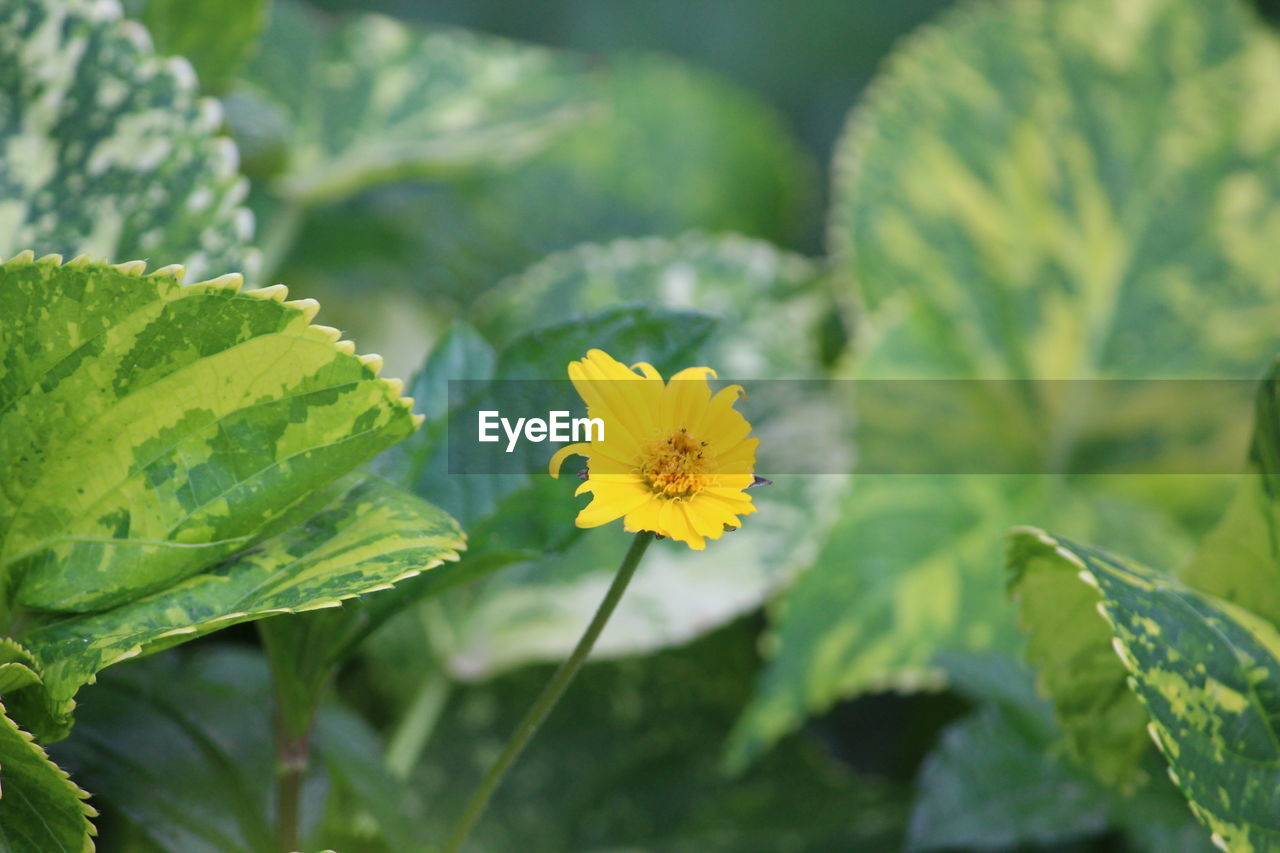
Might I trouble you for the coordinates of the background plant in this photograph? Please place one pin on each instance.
(1078, 189)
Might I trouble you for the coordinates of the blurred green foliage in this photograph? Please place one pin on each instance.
(483, 190)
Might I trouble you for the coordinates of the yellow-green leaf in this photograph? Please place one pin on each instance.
(149, 429)
(373, 536)
(41, 809)
(1070, 189)
(1207, 672)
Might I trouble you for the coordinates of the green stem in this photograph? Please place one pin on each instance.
(299, 674)
(293, 753)
(547, 699)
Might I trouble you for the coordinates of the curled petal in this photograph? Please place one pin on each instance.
(557, 459)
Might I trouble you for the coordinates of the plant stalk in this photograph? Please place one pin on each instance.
(292, 757)
(548, 698)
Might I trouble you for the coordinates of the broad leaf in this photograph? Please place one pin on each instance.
(1208, 674)
(149, 429)
(1040, 201)
(1240, 558)
(995, 782)
(41, 809)
(216, 36)
(372, 536)
(632, 169)
(912, 569)
(985, 788)
(1021, 197)
(724, 276)
(371, 100)
(107, 149)
(1070, 648)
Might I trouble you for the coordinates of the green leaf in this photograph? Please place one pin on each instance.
(912, 569)
(1240, 558)
(40, 807)
(726, 276)
(634, 168)
(180, 747)
(216, 36)
(1070, 648)
(980, 788)
(25, 696)
(1023, 197)
(1039, 200)
(1208, 674)
(370, 100)
(373, 536)
(149, 429)
(994, 781)
(108, 151)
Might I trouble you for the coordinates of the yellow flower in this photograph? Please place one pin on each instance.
(675, 459)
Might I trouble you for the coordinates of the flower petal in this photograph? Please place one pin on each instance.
(557, 458)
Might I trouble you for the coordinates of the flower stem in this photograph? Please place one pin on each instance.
(547, 699)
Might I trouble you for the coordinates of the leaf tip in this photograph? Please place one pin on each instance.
(308, 307)
(327, 333)
(373, 361)
(232, 281)
(133, 268)
(275, 292)
(176, 272)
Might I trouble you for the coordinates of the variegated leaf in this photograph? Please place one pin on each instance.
(1207, 672)
(912, 569)
(149, 429)
(374, 535)
(1070, 189)
(695, 272)
(41, 809)
(631, 168)
(216, 36)
(370, 100)
(1070, 648)
(1240, 559)
(106, 149)
(1050, 189)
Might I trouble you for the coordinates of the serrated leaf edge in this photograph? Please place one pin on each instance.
(1219, 832)
(87, 811)
(234, 282)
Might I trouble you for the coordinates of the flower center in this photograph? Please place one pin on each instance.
(675, 467)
